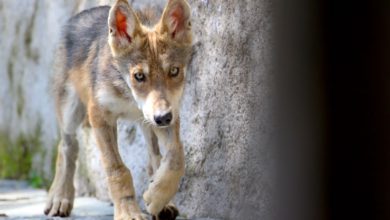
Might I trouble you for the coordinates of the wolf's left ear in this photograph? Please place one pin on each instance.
(176, 21)
(123, 25)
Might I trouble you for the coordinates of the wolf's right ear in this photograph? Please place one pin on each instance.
(123, 26)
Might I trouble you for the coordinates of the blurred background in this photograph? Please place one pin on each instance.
(225, 113)
(333, 109)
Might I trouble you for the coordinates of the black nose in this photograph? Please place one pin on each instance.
(163, 120)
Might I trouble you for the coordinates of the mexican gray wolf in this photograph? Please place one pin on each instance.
(114, 62)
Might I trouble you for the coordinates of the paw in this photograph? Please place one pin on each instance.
(128, 210)
(156, 198)
(60, 202)
(165, 184)
(169, 212)
(152, 202)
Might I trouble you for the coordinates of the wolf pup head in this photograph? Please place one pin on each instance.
(153, 60)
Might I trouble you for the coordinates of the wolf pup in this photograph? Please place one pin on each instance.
(111, 66)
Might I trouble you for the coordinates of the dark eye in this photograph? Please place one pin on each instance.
(174, 71)
(139, 76)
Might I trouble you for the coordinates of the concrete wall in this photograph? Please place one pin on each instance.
(226, 123)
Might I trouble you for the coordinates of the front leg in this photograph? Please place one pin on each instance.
(167, 178)
(120, 182)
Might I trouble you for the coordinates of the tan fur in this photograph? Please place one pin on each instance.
(106, 89)
(80, 77)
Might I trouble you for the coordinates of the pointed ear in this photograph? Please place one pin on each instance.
(123, 27)
(176, 21)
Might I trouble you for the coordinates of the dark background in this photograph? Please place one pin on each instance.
(332, 63)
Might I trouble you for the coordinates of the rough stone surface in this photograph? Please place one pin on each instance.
(225, 108)
(225, 114)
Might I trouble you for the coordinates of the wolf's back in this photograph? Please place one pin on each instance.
(81, 31)
(83, 40)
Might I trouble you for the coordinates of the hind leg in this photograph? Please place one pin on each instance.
(70, 114)
(153, 150)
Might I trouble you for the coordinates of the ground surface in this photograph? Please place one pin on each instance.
(18, 201)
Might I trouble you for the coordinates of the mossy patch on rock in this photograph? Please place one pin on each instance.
(16, 157)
